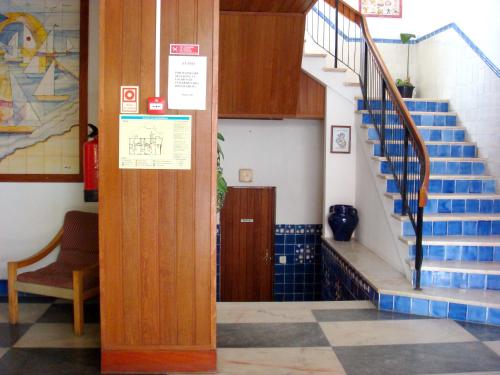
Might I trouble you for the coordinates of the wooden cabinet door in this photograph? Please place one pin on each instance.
(247, 244)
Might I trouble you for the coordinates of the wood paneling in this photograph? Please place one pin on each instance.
(260, 59)
(157, 228)
(311, 103)
(247, 254)
(274, 6)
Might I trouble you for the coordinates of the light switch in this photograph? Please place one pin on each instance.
(283, 259)
(246, 175)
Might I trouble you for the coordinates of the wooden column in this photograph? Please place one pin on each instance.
(157, 228)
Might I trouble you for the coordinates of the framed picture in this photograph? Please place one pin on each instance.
(43, 89)
(381, 8)
(340, 141)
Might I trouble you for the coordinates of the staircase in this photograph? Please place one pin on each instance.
(460, 273)
(461, 242)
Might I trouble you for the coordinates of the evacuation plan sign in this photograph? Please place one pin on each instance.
(155, 142)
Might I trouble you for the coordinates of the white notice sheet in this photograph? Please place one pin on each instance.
(187, 82)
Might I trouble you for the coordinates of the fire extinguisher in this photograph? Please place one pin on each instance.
(91, 166)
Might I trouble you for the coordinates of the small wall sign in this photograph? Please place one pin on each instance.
(385, 8)
(185, 49)
(340, 141)
(129, 99)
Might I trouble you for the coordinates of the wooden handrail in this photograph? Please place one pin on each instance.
(354, 15)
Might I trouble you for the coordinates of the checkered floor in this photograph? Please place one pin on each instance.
(269, 338)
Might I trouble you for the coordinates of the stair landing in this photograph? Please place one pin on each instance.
(393, 291)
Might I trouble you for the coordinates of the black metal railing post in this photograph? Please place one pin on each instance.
(383, 119)
(404, 187)
(365, 76)
(336, 32)
(419, 254)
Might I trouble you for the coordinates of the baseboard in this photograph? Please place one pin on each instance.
(155, 361)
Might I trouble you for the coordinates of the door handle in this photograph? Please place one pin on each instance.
(267, 257)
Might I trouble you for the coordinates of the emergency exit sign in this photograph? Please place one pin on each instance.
(185, 49)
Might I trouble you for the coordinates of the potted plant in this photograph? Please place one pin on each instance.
(221, 181)
(404, 86)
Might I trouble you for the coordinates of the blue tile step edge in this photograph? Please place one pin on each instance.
(413, 104)
(435, 149)
(457, 248)
(458, 274)
(428, 133)
(420, 118)
(443, 306)
(393, 292)
(454, 225)
(439, 166)
(454, 203)
(465, 184)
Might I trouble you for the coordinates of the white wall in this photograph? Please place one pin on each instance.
(478, 19)
(449, 69)
(283, 153)
(33, 212)
(340, 169)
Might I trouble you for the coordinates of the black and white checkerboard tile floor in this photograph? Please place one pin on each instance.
(269, 338)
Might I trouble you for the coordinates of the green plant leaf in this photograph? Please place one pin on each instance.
(405, 38)
(221, 181)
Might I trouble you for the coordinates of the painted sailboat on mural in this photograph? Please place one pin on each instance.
(39, 71)
(46, 89)
(12, 53)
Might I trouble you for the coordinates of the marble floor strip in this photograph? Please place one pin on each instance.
(395, 332)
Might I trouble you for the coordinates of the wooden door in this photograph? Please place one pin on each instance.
(247, 244)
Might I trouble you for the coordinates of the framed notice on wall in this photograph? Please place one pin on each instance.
(43, 89)
(381, 8)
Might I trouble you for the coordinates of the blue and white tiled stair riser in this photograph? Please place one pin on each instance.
(299, 279)
(461, 230)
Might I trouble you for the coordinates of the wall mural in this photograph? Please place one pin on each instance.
(39, 71)
(381, 8)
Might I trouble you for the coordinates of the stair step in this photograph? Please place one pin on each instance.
(454, 224)
(462, 166)
(485, 268)
(352, 84)
(315, 54)
(484, 249)
(420, 118)
(413, 104)
(456, 240)
(454, 203)
(435, 149)
(459, 274)
(395, 292)
(334, 70)
(428, 133)
(462, 184)
(453, 217)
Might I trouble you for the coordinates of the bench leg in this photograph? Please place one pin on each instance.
(78, 306)
(13, 298)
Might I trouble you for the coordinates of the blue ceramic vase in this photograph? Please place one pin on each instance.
(343, 220)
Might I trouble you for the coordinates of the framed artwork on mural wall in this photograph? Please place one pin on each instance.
(381, 8)
(340, 140)
(43, 89)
